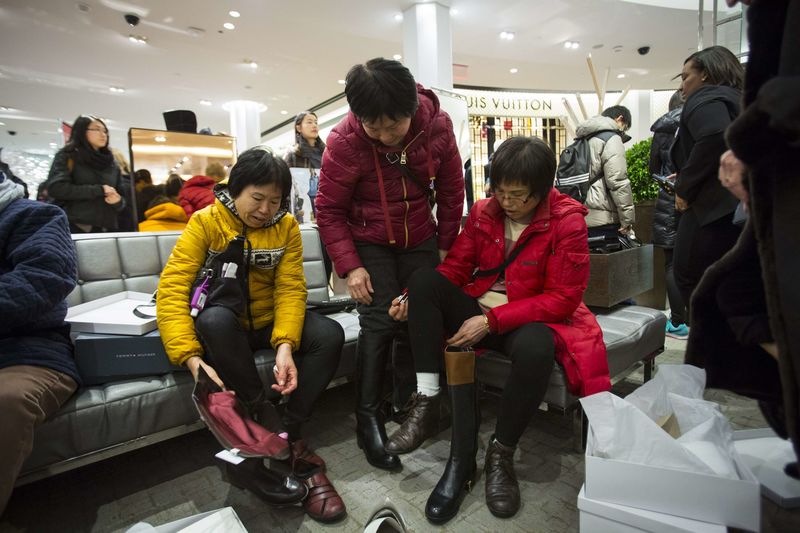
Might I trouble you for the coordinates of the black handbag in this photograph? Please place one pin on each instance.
(212, 288)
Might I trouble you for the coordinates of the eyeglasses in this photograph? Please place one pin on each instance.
(101, 130)
(512, 198)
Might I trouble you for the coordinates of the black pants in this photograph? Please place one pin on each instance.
(677, 307)
(698, 247)
(390, 270)
(229, 348)
(437, 308)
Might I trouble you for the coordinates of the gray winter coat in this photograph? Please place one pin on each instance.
(609, 199)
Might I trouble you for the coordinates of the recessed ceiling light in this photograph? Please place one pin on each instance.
(5, 108)
(234, 14)
(454, 11)
(185, 159)
(620, 76)
(513, 70)
(397, 57)
(507, 35)
(284, 112)
(138, 39)
(53, 145)
(116, 89)
(229, 26)
(253, 65)
(340, 82)
(2, 123)
(160, 139)
(574, 45)
(398, 17)
(205, 102)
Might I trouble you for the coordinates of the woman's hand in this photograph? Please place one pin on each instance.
(470, 333)
(681, 204)
(111, 196)
(359, 285)
(285, 370)
(731, 175)
(194, 363)
(399, 311)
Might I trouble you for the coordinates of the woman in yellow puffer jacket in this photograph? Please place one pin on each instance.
(163, 215)
(253, 206)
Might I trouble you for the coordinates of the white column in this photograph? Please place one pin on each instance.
(245, 122)
(639, 102)
(428, 44)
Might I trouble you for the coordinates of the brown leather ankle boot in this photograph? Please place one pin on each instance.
(421, 423)
(502, 489)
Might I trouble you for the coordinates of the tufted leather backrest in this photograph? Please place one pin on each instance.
(114, 262)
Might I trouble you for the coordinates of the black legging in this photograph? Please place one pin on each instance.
(677, 307)
(229, 349)
(437, 308)
(698, 247)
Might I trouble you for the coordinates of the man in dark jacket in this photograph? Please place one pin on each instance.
(382, 162)
(37, 371)
(665, 219)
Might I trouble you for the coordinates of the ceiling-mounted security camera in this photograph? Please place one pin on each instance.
(643, 50)
(11, 132)
(131, 19)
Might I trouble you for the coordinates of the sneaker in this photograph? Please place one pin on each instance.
(677, 332)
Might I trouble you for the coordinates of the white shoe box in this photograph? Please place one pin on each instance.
(603, 517)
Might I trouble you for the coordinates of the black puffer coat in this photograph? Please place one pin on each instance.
(78, 189)
(665, 219)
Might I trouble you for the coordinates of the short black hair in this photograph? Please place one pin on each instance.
(173, 185)
(618, 110)
(528, 161)
(142, 175)
(720, 66)
(381, 87)
(258, 166)
(676, 100)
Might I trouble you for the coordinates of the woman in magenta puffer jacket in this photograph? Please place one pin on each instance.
(513, 282)
(381, 165)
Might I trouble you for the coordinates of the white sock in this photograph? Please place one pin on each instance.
(428, 383)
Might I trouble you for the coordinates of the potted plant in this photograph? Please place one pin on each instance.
(644, 188)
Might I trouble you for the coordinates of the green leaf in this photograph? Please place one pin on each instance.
(638, 160)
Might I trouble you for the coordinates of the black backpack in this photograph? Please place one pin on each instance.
(574, 166)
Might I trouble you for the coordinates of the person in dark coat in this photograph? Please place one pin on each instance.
(761, 170)
(374, 215)
(665, 219)
(711, 83)
(84, 179)
(38, 269)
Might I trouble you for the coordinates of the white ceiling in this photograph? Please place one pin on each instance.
(58, 61)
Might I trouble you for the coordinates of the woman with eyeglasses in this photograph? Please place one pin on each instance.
(513, 282)
(84, 179)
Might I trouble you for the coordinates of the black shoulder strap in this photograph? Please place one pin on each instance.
(510, 259)
(409, 174)
(605, 135)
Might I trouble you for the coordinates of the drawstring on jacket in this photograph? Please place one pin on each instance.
(384, 202)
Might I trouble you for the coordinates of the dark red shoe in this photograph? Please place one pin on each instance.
(323, 503)
(304, 460)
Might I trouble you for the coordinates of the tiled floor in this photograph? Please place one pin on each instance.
(178, 478)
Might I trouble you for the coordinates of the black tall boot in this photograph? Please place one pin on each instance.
(373, 351)
(459, 473)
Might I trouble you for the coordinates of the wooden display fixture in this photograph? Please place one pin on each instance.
(615, 277)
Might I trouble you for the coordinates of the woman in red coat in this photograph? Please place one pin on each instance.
(531, 311)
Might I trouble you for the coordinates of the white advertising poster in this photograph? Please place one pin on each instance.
(304, 191)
